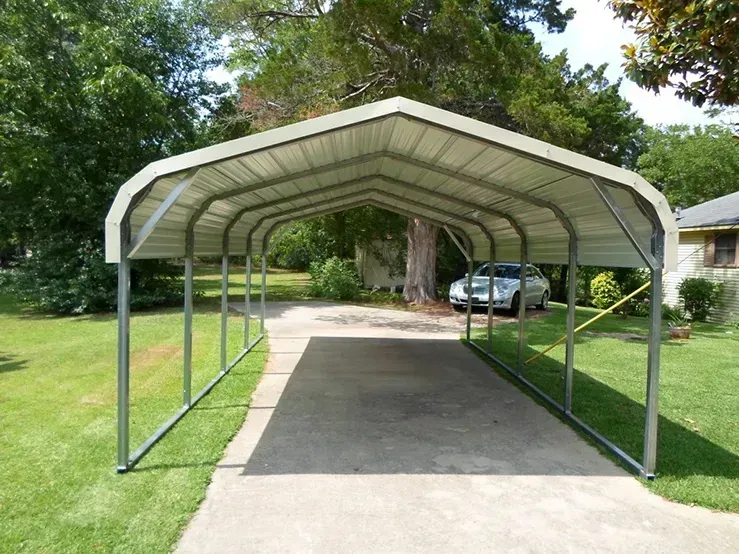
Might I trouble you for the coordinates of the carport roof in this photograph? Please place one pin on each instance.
(482, 181)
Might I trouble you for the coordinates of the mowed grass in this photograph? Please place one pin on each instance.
(58, 488)
(698, 452)
(282, 285)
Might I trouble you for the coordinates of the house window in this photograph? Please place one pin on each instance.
(724, 250)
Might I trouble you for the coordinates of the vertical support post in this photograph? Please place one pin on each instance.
(470, 269)
(224, 305)
(522, 307)
(263, 302)
(570, 349)
(247, 298)
(124, 305)
(655, 329)
(187, 354)
(491, 296)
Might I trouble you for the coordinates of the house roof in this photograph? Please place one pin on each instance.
(486, 184)
(719, 212)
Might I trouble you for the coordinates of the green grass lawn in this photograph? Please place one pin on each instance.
(282, 285)
(59, 490)
(698, 452)
(58, 487)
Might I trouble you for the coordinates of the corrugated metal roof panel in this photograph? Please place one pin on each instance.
(429, 160)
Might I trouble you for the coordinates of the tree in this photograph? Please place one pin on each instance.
(420, 283)
(691, 166)
(475, 58)
(90, 92)
(691, 46)
(337, 235)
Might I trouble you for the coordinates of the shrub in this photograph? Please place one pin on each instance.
(699, 296)
(675, 316)
(69, 276)
(334, 278)
(604, 290)
(6, 278)
(638, 306)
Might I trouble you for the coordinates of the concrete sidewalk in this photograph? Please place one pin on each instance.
(378, 431)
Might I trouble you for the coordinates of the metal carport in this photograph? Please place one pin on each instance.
(500, 195)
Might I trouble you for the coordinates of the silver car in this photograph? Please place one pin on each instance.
(506, 288)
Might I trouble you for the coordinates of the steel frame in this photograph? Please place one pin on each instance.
(126, 461)
(371, 179)
(369, 192)
(366, 158)
(358, 204)
(654, 259)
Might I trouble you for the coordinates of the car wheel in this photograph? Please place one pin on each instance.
(544, 304)
(514, 304)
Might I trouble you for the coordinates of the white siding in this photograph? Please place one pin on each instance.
(690, 264)
(374, 272)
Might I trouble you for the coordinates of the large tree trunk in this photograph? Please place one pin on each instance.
(420, 269)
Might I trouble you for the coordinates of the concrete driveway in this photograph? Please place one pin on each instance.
(378, 431)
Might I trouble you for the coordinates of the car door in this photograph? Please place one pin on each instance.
(533, 287)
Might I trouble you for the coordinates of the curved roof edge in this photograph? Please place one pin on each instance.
(536, 150)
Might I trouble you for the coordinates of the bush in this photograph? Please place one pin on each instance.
(675, 316)
(604, 290)
(69, 276)
(6, 278)
(334, 278)
(699, 296)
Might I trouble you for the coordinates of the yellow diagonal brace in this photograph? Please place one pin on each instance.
(592, 320)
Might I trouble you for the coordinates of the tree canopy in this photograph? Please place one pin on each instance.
(90, 92)
(479, 59)
(303, 59)
(690, 46)
(691, 166)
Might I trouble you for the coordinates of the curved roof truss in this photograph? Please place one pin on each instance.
(490, 184)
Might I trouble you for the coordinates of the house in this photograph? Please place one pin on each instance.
(709, 248)
(372, 265)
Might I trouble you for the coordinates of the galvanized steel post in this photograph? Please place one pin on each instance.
(570, 348)
(124, 304)
(263, 302)
(470, 269)
(649, 461)
(187, 354)
(522, 307)
(491, 296)
(247, 296)
(224, 305)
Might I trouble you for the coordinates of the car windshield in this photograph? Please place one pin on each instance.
(507, 271)
(503, 271)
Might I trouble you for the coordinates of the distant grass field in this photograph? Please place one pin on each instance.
(58, 488)
(698, 452)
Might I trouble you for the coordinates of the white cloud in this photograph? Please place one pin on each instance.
(595, 37)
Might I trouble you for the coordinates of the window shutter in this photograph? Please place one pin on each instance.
(708, 251)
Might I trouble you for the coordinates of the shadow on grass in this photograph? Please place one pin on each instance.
(10, 363)
(681, 452)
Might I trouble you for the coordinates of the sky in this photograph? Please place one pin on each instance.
(595, 37)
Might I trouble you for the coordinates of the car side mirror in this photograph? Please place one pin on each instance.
(467, 274)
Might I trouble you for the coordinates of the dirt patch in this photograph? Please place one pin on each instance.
(144, 359)
(479, 315)
(619, 336)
